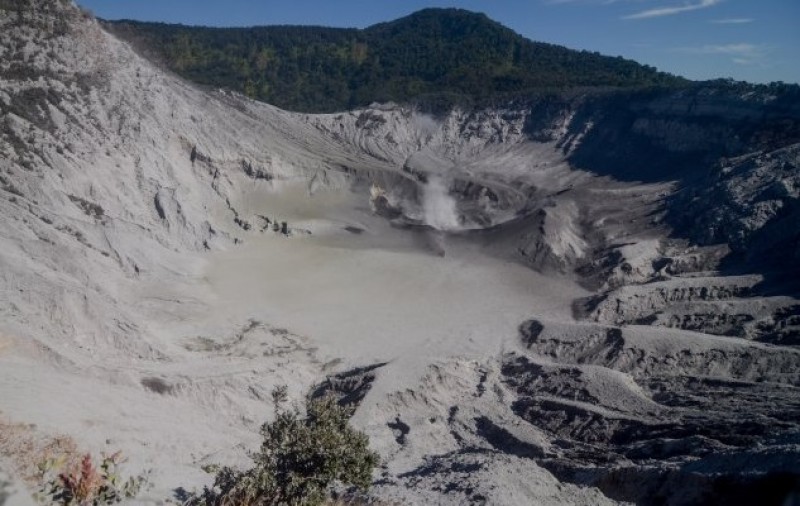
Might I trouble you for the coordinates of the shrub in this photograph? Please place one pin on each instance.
(81, 483)
(299, 460)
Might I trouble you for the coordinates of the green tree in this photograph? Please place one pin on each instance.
(300, 458)
(441, 51)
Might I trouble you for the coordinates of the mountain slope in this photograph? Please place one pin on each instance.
(436, 55)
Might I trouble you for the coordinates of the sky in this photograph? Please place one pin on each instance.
(748, 40)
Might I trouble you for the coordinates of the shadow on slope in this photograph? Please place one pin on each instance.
(731, 148)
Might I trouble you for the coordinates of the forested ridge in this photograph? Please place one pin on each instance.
(444, 55)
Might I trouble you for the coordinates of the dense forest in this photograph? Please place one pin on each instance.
(434, 55)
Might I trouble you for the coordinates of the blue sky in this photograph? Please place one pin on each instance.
(751, 40)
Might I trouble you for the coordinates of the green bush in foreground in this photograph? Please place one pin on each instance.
(299, 460)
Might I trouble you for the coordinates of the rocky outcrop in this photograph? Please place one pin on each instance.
(756, 201)
(348, 387)
(636, 302)
(664, 428)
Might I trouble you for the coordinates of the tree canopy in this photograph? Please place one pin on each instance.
(433, 53)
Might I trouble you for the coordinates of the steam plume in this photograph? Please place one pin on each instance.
(438, 206)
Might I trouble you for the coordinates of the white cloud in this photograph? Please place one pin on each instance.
(742, 53)
(732, 21)
(602, 2)
(676, 9)
(560, 2)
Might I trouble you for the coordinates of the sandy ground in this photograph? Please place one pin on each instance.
(381, 295)
(323, 299)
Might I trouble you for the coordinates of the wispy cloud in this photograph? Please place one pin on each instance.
(732, 21)
(675, 9)
(560, 2)
(743, 53)
(600, 2)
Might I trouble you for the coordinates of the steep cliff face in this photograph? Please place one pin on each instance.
(730, 151)
(755, 208)
(169, 254)
(674, 135)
